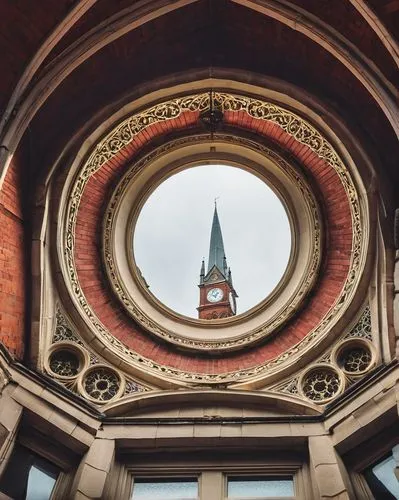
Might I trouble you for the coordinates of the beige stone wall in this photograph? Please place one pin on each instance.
(100, 455)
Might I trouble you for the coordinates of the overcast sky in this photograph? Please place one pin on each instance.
(173, 232)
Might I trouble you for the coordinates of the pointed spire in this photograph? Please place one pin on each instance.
(217, 256)
(202, 272)
(230, 277)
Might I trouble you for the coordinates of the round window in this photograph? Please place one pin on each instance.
(213, 227)
(211, 246)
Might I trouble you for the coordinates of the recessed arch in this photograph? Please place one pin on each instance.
(164, 372)
(264, 401)
(370, 77)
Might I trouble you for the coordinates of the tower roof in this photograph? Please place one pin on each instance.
(216, 248)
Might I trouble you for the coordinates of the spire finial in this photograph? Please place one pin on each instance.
(215, 200)
(202, 272)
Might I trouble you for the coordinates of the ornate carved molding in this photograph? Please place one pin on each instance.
(352, 357)
(72, 370)
(362, 329)
(292, 124)
(251, 336)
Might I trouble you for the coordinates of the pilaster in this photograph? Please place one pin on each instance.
(93, 470)
(328, 469)
(10, 416)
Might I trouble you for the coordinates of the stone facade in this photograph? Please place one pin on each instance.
(103, 388)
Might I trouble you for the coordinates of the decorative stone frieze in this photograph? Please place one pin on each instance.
(125, 339)
(352, 357)
(72, 363)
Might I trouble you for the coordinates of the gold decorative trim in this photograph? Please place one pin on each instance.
(285, 311)
(124, 133)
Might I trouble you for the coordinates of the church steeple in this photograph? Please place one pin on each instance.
(217, 294)
(217, 256)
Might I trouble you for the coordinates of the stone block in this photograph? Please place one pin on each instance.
(82, 436)
(101, 454)
(231, 430)
(174, 431)
(321, 450)
(91, 482)
(10, 412)
(62, 422)
(330, 482)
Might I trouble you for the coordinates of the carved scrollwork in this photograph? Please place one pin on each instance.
(353, 354)
(101, 384)
(288, 387)
(322, 383)
(63, 332)
(123, 134)
(251, 336)
(68, 358)
(362, 329)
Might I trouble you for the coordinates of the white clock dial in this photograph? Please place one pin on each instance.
(215, 295)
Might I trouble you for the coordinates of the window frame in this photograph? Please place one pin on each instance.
(35, 441)
(167, 478)
(32, 459)
(367, 454)
(261, 477)
(213, 475)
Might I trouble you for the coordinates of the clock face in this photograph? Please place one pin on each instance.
(215, 295)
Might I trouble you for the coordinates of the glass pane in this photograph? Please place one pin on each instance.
(28, 476)
(40, 484)
(171, 489)
(384, 471)
(240, 487)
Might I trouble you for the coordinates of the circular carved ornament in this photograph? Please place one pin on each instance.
(322, 383)
(355, 357)
(259, 322)
(66, 360)
(287, 124)
(101, 384)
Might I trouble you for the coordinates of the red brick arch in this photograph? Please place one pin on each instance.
(335, 269)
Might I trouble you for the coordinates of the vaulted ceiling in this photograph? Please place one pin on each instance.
(69, 60)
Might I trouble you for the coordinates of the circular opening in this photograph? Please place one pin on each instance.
(321, 384)
(64, 363)
(354, 357)
(101, 384)
(172, 237)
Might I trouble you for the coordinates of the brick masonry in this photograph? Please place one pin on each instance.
(332, 276)
(12, 262)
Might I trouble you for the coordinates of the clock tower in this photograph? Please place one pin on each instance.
(217, 294)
